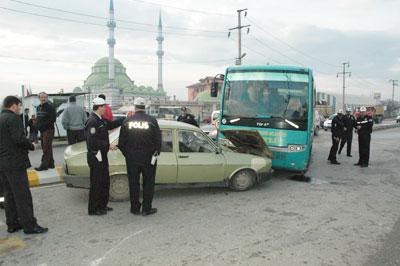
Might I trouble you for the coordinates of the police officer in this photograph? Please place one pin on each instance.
(364, 130)
(98, 145)
(337, 134)
(140, 143)
(349, 123)
(186, 117)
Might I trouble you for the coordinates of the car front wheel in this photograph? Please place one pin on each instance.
(243, 180)
(119, 187)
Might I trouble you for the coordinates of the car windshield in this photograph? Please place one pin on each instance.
(267, 95)
(331, 117)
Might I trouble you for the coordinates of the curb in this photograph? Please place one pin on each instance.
(55, 144)
(386, 127)
(50, 176)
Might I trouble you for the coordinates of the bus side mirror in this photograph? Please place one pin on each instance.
(214, 89)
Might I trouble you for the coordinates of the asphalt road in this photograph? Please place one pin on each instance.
(346, 215)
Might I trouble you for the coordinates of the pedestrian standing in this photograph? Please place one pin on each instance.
(24, 120)
(14, 161)
(98, 145)
(108, 115)
(186, 117)
(46, 117)
(337, 134)
(73, 121)
(364, 130)
(140, 143)
(33, 130)
(349, 123)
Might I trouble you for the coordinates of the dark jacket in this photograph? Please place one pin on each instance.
(97, 139)
(337, 127)
(14, 145)
(349, 123)
(365, 123)
(46, 117)
(188, 118)
(140, 138)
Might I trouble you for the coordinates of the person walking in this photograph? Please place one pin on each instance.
(33, 130)
(140, 143)
(73, 121)
(98, 145)
(337, 134)
(364, 130)
(185, 117)
(349, 123)
(14, 161)
(46, 117)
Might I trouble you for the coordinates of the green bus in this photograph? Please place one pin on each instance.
(278, 102)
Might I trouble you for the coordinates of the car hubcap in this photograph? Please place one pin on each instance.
(120, 185)
(243, 180)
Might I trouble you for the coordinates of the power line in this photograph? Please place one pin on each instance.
(104, 18)
(98, 24)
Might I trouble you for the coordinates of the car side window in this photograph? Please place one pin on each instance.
(166, 144)
(190, 141)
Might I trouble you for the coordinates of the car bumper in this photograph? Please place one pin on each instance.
(75, 181)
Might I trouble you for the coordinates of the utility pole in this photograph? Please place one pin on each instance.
(344, 74)
(238, 60)
(395, 83)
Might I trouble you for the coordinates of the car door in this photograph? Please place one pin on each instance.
(167, 168)
(197, 158)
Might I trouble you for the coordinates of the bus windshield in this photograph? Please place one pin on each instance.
(266, 95)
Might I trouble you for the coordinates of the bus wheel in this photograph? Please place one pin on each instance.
(119, 188)
(243, 180)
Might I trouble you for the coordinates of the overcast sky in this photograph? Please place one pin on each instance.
(50, 54)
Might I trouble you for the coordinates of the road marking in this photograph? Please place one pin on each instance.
(100, 260)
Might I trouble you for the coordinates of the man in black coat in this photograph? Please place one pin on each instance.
(337, 134)
(98, 145)
(364, 130)
(14, 161)
(46, 117)
(186, 117)
(140, 143)
(349, 123)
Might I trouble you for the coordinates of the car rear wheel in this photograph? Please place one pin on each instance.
(243, 180)
(119, 188)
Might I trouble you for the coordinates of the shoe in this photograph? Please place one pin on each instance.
(364, 165)
(14, 229)
(37, 230)
(149, 212)
(349, 155)
(335, 162)
(357, 164)
(108, 209)
(135, 212)
(98, 213)
(41, 168)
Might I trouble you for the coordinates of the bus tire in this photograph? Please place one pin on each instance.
(243, 180)
(119, 187)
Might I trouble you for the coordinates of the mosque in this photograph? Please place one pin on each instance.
(109, 77)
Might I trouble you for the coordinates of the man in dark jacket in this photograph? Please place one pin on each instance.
(186, 117)
(46, 117)
(349, 123)
(140, 143)
(14, 161)
(98, 145)
(337, 134)
(364, 130)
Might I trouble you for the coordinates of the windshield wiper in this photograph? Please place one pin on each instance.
(287, 121)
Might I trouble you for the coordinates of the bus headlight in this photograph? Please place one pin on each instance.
(296, 148)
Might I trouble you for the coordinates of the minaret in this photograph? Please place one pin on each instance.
(111, 42)
(160, 53)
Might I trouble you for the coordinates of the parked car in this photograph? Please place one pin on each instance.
(398, 119)
(188, 156)
(59, 131)
(328, 122)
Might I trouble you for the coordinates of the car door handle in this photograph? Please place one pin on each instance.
(183, 156)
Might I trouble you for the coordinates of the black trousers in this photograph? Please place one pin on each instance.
(149, 173)
(99, 191)
(347, 138)
(334, 149)
(75, 136)
(46, 139)
(18, 199)
(364, 141)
